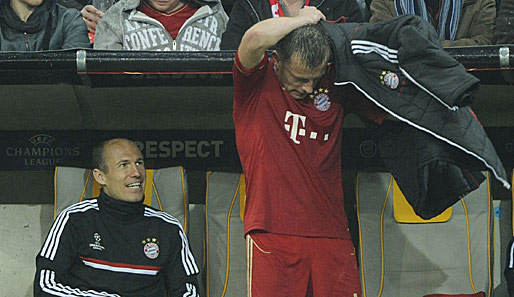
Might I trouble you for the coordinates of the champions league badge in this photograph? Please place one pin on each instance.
(321, 99)
(151, 248)
(389, 79)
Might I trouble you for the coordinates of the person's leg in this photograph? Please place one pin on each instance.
(334, 268)
(275, 266)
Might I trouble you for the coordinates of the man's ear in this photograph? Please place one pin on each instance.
(99, 176)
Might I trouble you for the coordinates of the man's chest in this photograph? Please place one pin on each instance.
(118, 248)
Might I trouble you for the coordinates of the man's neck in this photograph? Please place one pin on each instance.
(22, 10)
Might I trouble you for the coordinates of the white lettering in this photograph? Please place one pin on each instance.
(196, 35)
(164, 148)
(176, 146)
(181, 149)
(204, 39)
(214, 25)
(151, 148)
(144, 40)
(128, 26)
(201, 151)
(294, 129)
(153, 35)
(190, 149)
(162, 37)
(217, 144)
(216, 46)
(134, 41)
(187, 34)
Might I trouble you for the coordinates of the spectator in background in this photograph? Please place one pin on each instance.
(162, 25)
(458, 22)
(246, 13)
(504, 33)
(36, 25)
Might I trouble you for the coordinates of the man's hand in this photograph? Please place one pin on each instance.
(311, 15)
(91, 16)
(267, 33)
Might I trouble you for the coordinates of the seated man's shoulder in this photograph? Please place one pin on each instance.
(64, 11)
(162, 217)
(80, 208)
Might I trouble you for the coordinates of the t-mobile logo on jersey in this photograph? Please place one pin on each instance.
(296, 130)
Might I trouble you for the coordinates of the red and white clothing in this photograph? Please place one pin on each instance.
(172, 21)
(290, 151)
(286, 265)
(298, 242)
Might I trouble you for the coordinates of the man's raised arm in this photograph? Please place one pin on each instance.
(267, 33)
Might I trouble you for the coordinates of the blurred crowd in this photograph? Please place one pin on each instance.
(212, 25)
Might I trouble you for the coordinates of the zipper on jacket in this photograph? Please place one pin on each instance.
(26, 41)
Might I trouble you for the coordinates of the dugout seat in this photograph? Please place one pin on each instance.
(197, 243)
(226, 253)
(166, 189)
(403, 255)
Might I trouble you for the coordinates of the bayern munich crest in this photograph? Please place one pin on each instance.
(321, 99)
(390, 79)
(151, 248)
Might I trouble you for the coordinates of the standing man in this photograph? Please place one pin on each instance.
(114, 245)
(288, 119)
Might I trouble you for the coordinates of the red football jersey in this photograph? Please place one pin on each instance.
(172, 21)
(291, 154)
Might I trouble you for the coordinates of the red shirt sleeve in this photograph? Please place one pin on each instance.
(247, 81)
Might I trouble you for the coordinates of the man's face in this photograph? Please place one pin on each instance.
(29, 4)
(298, 80)
(126, 175)
(164, 6)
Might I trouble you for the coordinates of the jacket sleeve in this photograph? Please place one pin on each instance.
(381, 10)
(240, 21)
(481, 17)
(181, 270)
(109, 32)
(76, 32)
(56, 260)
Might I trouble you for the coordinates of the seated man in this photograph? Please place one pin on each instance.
(35, 25)
(245, 14)
(162, 25)
(114, 245)
(458, 22)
